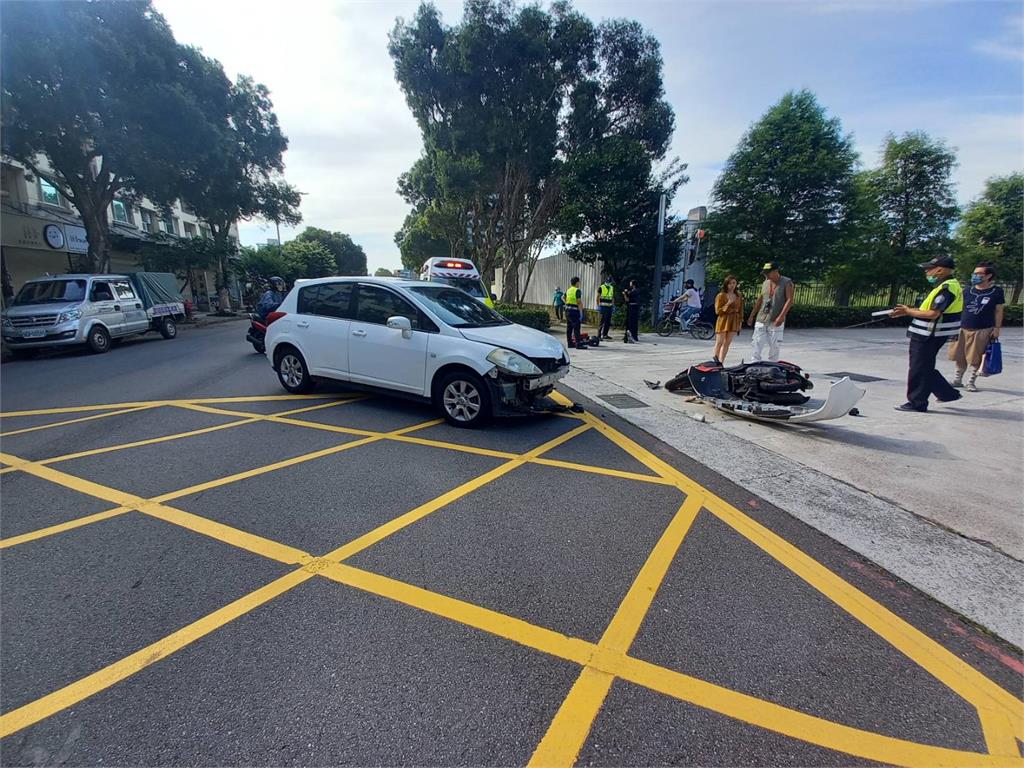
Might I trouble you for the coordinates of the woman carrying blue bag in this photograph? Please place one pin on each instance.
(979, 330)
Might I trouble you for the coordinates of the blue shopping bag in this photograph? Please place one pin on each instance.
(993, 358)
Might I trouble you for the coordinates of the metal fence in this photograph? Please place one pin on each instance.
(556, 271)
(817, 295)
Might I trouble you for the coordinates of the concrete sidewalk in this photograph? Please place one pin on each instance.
(936, 498)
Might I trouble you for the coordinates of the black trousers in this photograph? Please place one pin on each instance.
(606, 322)
(633, 321)
(573, 319)
(923, 379)
(559, 311)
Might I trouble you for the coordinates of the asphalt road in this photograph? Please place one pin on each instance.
(342, 580)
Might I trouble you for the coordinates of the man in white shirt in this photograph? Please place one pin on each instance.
(690, 299)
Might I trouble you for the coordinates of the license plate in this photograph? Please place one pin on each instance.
(33, 333)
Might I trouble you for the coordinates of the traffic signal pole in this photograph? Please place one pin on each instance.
(659, 255)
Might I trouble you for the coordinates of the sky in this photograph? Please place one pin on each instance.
(952, 69)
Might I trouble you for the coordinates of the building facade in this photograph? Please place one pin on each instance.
(41, 232)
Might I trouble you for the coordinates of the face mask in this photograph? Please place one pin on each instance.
(932, 279)
(976, 279)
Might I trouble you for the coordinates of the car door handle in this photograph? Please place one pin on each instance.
(359, 333)
(303, 324)
(117, 307)
(138, 306)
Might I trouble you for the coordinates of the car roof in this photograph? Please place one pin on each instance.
(400, 281)
(75, 276)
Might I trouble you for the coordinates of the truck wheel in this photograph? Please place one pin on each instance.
(463, 399)
(168, 328)
(98, 340)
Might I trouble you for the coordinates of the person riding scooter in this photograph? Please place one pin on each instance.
(271, 299)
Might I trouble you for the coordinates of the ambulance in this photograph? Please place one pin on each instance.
(459, 273)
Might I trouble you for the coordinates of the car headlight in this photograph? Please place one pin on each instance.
(71, 314)
(512, 362)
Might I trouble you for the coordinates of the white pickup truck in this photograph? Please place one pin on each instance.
(64, 310)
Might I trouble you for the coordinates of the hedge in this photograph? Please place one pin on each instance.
(529, 316)
(842, 317)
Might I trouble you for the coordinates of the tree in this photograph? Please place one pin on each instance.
(991, 230)
(865, 251)
(349, 258)
(383, 272)
(784, 194)
(417, 242)
(182, 256)
(241, 165)
(915, 196)
(71, 93)
(308, 259)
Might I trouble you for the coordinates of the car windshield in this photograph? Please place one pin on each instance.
(50, 291)
(470, 285)
(457, 308)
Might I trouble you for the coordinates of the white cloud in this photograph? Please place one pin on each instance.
(1009, 44)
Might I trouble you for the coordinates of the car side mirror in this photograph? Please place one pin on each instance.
(494, 298)
(401, 324)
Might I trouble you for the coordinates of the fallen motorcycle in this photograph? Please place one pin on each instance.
(764, 391)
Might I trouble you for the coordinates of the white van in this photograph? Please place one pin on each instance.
(64, 310)
(458, 273)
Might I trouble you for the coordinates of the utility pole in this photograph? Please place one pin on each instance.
(658, 256)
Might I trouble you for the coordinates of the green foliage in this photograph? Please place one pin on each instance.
(915, 197)
(505, 100)
(267, 261)
(991, 230)
(179, 255)
(785, 193)
(349, 258)
(533, 317)
(71, 92)
(308, 259)
(383, 272)
(803, 316)
(1013, 314)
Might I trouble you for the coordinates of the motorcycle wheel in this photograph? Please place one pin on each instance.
(702, 331)
(665, 328)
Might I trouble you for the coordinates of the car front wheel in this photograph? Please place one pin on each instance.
(98, 340)
(292, 372)
(463, 399)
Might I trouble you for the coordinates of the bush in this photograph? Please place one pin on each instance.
(529, 316)
(1013, 314)
(801, 316)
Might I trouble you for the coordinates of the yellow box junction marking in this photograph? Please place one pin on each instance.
(1000, 713)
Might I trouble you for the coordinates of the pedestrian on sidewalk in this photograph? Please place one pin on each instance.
(934, 323)
(559, 303)
(632, 297)
(605, 305)
(729, 309)
(981, 321)
(574, 315)
(768, 317)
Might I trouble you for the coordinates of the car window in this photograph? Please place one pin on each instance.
(457, 308)
(43, 291)
(123, 290)
(376, 305)
(101, 292)
(326, 299)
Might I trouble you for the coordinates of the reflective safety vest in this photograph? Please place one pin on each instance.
(607, 295)
(572, 297)
(948, 323)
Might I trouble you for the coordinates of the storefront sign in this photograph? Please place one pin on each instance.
(54, 236)
(77, 241)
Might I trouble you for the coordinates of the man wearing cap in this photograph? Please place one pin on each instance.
(932, 324)
(768, 315)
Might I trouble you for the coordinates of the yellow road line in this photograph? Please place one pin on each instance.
(951, 670)
(114, 496)
(42, 533)
(622, 474)
(226, 534)
(571, 725)
(392, 526)
(65, 423)
(609, 664)
(998, 730)
(155, 403)
(104, 678)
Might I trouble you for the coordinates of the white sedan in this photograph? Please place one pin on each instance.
(421, 340)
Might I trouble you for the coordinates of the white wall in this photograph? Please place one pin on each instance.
(556, 271)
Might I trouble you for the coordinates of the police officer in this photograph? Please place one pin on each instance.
(933, 323)
(606, 304)
(574, 315)
(632, 297)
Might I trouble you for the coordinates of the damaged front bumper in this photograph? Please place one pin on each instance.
(514, 394)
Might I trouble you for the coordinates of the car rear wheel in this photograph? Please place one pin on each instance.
(292, 372)
(463, 399)
(98, 340)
